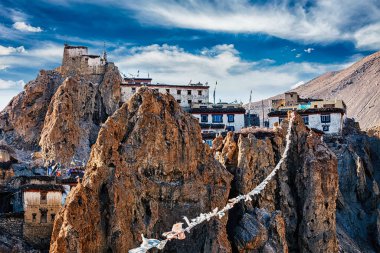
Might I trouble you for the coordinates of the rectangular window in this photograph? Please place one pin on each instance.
(325, 118)
(179, 101)
(305, 120)
(230, 128)
(43, 198)
(167, 90)
(188, 92)
(43, 216)
(133, 90)
(200, 93)
(217, 118)
(34, 215)
(52, 217)
(189, 102)
(231, 117)
(204, 118)
(203, 106)
(178, 92)
(199, 101)
(326, 128)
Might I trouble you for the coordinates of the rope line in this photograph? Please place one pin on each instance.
(178, 232)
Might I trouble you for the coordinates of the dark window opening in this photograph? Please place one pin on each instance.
(325, 118)
(133, 90)
(231, 118)
(230, 128)
(168, 90)
(199, 92)
(204, 118)
(326, 128)
(52, 217)
(178, 92)
(189, 102)
(43, 197)
(34, 215)
(218, 118)
(189, 92)
(43, 216)
(305, 120)
(179, 101)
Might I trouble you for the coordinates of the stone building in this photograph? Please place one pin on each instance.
(40, 205)
(185, 95)
(76, 59)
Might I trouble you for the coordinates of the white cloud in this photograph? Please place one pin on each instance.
(323, 21)
(235, 76)
(309, 50)
(298, 55)
(11, 50)
(22, 26)
(3, 67)
(9, 84)
(368, 37)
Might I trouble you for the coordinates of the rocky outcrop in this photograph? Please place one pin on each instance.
(21, 122)
(75, 114)
(61, 114)
(303, 194)
(147, 169)
(359, 196)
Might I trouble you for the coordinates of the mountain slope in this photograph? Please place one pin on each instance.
(358, 85)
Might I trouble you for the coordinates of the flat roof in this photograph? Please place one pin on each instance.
(308, 111)
(42, 187)
(217, 110)
(72, 47)
(159, 85)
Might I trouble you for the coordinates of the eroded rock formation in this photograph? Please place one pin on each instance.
(22, 120)
(147, 169)
(304, 191)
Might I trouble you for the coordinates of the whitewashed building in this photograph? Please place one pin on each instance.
(185, 95)
(328, 120)
(221, 117)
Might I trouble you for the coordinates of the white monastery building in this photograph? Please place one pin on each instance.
(185, 95)
(325, 115)
(221, 117)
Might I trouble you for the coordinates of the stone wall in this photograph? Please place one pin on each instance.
(11, 224)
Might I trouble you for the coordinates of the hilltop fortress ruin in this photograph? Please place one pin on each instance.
(76, 59)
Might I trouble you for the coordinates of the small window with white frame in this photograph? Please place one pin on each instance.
(231, 117)
(326, 128)
(204, 118)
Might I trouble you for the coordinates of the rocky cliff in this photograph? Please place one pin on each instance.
(148, 168)
(297, 210)
(59, 114)
(358, 209)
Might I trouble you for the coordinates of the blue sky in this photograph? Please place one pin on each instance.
(266, 46)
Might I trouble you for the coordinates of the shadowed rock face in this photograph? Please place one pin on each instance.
(21, 122)
(304, 192)
(60, 114)
(147, 169)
